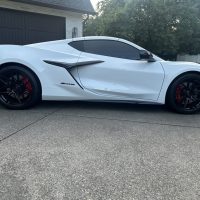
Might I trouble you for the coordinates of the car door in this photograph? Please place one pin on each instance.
(120, 73)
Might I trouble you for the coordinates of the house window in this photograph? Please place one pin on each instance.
(74, 32)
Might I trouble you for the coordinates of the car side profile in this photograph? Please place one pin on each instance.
(95, 69)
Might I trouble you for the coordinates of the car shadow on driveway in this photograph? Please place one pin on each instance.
(128, 107)
(137, 113)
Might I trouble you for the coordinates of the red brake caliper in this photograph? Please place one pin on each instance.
(27, 84)
(178, 94)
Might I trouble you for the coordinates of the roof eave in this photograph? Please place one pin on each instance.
(90, 12)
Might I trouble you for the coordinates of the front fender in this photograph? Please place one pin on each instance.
(172, 71)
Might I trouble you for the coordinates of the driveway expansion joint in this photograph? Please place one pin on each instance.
(132, 121)
(30, 124)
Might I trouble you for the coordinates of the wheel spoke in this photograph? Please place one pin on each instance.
(3, 86)
(185, 85)
(26, 92)
(18, 98)
(3, 82)
(185, 103)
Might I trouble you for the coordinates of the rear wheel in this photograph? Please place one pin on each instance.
(19, 88)
(183, 95)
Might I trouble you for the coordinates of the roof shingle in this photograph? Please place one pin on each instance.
(81, 6)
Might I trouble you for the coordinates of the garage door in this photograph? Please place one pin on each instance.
(17, 27)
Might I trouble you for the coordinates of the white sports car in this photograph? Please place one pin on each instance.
(95, 69)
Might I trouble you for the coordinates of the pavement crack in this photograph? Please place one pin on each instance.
(30, 124)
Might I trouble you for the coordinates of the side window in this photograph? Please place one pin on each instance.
(107, 48)
(111, 48)
(79, 45)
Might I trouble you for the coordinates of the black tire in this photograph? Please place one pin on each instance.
(19, 88)
(183, 95)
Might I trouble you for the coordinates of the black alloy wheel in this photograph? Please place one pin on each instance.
(184, 94)
(19, 88)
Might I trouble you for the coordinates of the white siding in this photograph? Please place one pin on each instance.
(72, 19)
(71, 23)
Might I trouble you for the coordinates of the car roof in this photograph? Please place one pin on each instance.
(57, 42)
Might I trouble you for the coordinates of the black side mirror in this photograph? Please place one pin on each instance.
(146, 56)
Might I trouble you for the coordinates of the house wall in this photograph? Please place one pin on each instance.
(189, 58)
(72, 19)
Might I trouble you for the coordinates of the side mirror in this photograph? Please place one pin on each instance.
(146, 56)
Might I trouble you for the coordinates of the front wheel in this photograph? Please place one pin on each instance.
(183, 95)
(19, 88)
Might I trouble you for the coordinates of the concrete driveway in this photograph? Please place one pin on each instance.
(99, 151)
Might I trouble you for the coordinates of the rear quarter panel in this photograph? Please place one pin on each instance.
(50, 76)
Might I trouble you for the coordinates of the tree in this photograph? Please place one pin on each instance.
(164, 27)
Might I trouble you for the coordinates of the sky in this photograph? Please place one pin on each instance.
(94, 3)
